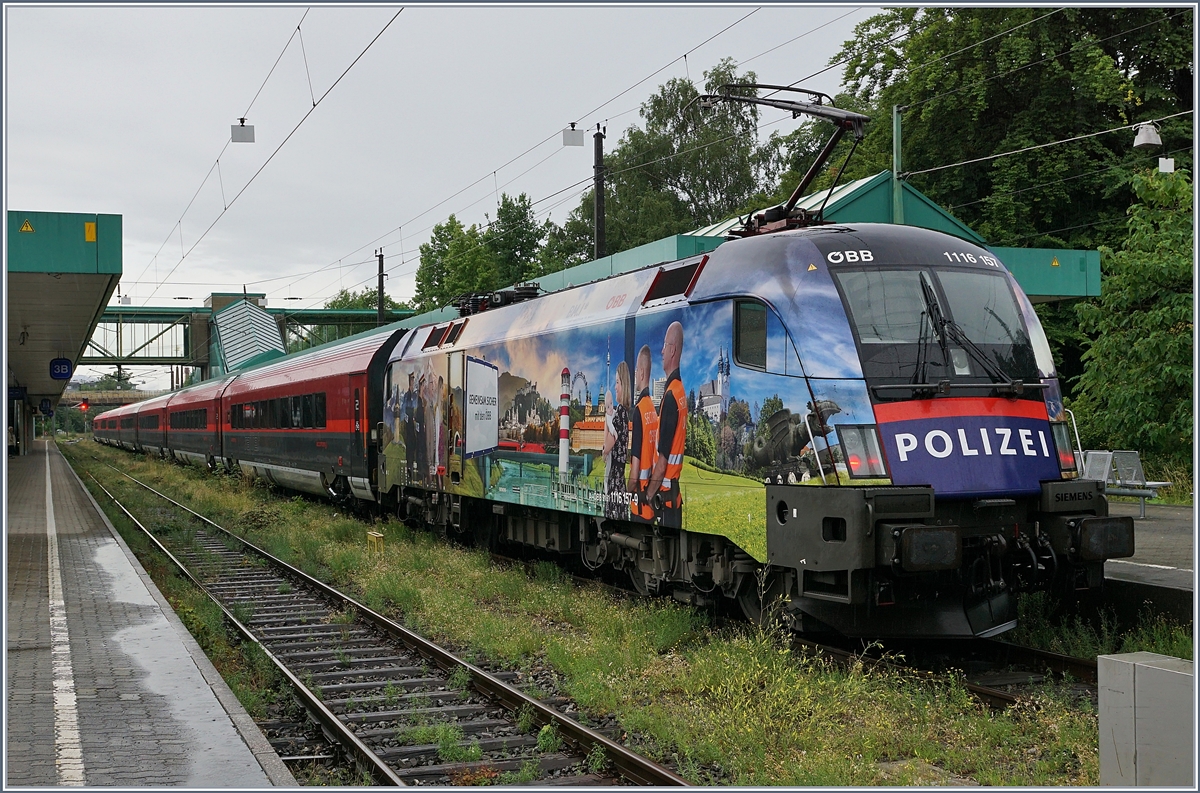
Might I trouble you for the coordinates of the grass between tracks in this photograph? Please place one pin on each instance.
(730, 706)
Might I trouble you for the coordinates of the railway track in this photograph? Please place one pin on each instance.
(1009, 665)
(403, 709)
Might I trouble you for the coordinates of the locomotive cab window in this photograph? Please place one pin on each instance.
(894, 316)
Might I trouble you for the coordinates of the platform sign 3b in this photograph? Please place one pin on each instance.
(60, 369)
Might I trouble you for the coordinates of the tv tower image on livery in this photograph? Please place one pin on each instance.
(564, 427)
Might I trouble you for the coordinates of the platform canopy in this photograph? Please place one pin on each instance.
(62, 269)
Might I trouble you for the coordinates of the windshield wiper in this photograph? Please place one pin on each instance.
(945, 328)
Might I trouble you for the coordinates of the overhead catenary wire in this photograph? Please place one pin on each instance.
(276, 151)
(216, 163)
(989, 157)
(1073, 177)
(539, 144)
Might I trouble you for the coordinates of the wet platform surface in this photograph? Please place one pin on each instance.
(1164, 547)
(105, 686)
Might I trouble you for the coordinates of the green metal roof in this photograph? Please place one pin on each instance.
(1053, 274)
(869, 200)
(63, 242)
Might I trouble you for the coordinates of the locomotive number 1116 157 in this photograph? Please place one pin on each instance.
(970, 258)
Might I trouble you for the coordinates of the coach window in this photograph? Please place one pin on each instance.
(273, 413)
(319, 409)
(308, 410)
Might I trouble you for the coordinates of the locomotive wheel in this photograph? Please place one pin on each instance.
(758, 601)
(639, 580)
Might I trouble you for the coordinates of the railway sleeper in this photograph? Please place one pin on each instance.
(407, 714)
(504, 743)
(547, 764)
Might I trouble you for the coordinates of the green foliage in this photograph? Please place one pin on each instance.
(367, 298)
(548, 739)
(528, 773)
(525, 718)
(515, 241)
(1040, 625)
(597, 759)
(1136, 391)
(982, 81)
(700, 442)
(686, 167)
(460, 678)
(458, 260)
(770, 406)
(116, 380)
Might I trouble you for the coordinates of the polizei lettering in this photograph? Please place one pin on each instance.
(1000, 441)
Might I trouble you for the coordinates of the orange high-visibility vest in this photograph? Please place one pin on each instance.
(644, 411)
(670, 482)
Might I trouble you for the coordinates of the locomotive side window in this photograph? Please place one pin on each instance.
(750, 334)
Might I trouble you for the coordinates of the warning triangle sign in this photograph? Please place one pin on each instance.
(1054, 262)
(26, 227)
(812, 267)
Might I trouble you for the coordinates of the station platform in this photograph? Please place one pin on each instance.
(105, 686)
(1160, 576)
(1164, 546)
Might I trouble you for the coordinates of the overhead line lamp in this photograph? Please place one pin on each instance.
(1147, 137)
(240, 133)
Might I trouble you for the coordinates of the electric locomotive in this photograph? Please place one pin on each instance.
(896, 463)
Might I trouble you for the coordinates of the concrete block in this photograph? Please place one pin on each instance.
(1147, 720)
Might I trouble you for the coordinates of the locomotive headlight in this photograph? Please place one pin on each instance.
(861, 449)
(1062, 445)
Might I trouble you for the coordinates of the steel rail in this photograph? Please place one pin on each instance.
(631, 765)
(1083, 669)
(329, 723)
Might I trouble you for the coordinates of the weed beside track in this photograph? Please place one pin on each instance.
(728, 705)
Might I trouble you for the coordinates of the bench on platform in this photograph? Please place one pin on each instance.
(1121, 472)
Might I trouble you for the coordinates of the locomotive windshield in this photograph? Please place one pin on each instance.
(962, 324)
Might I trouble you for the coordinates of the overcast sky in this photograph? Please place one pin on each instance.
(125, 110)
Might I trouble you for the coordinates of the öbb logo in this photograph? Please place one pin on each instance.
(838, 257)
(940, 444)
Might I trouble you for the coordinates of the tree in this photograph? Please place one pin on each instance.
(515, 240)
(700, 442)
(367, 298)
(688, 167)
(453, 262)
(770, 406)
(1136, 389)
(116, 380)
(739, 413)
(983, 81)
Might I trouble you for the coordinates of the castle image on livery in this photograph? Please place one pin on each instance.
(714, 395)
